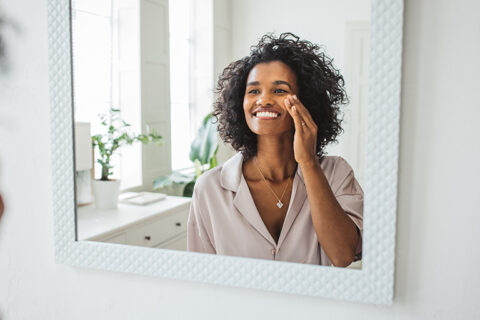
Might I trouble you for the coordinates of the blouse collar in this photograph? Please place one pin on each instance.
(231, 173)
(231, 178)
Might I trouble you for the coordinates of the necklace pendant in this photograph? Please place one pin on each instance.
(279, 204)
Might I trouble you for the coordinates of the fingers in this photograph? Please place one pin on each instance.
(302, 110)
(294, 113)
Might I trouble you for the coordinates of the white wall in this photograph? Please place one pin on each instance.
(319, 21)
(438, 210)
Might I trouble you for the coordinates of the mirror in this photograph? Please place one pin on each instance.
(373, 283)
(144, 76)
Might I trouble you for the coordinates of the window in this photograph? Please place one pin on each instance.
(110, 70)
(98, 73)
(191, 73)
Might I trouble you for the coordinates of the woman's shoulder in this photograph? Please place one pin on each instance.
(335, 163)
(335, 168)
(209, 179)
(226, 176)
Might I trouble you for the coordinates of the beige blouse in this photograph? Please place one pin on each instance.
(224, 220)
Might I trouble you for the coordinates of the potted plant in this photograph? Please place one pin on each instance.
(117, 134)
(203, 151)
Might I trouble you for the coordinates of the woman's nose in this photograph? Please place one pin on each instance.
(264, 99)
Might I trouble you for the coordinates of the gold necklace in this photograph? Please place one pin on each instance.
(279, 203)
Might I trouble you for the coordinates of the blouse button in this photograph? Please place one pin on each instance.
(274, 251)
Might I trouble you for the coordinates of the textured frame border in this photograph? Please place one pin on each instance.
(372, 284)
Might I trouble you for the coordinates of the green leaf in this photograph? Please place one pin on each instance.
(178, 177)
(174, 177)
(213, 160)
(116, 136)
(198, 168)
(162, 181)
(206, 141)
(203, 151)
(188, 190)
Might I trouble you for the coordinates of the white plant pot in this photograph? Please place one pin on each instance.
(106, 193)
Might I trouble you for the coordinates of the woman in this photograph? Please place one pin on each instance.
(279, 198)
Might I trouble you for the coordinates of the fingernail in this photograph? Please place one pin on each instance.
(293, 108)
(295, 96)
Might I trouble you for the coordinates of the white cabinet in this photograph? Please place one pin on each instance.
(161, 225)
(158, 230)
(119, 238)
(176, 243)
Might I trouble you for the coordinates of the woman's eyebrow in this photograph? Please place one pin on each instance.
(277, 82)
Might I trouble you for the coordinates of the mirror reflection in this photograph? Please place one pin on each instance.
(222, 126)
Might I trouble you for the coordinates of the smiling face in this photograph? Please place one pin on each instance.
(268, 85)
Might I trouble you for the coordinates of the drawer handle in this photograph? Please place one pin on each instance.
(178, 224)
(147, 238)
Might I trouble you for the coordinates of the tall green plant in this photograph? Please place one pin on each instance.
(116, 136)
(203, 151)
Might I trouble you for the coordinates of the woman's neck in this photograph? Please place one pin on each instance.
(275, 159)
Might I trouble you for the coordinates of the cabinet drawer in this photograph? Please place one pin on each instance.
(177, 243)
(159, 230)
(119, 238)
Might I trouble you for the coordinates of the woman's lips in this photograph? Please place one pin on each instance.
(266, 115)
(265, 118)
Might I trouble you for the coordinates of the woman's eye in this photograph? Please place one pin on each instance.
(280, 91)
(253, 91)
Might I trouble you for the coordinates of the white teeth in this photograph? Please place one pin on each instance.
(267, 115)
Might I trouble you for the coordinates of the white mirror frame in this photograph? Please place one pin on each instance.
(372, 284)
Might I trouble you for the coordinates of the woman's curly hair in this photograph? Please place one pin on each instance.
(320, 85)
